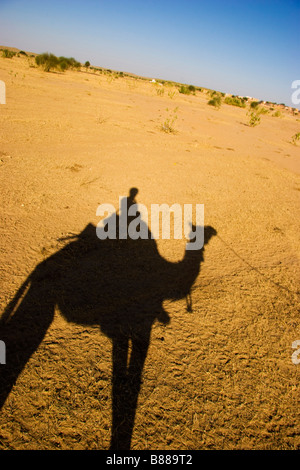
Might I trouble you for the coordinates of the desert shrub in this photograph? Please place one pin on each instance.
(87, 64)
(277, 113)
(184, 90)
(51, 62)
(295, 138)
(47, 61)
(216, 102)
(71, 62)
(8, 54)
(168, 125)
(235, 101)
(255, 115)
(192, 89)
(216, 98)
(63, 65)
(254, 118)
(171, 94)
(263, 110)
(22, 53)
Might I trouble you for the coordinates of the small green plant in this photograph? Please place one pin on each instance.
(184, 90)
(160, 91)
(110, 78)
(216, 102)
(254, 104)
(254, 118)
(235, 101)
(277, 113)
(296, 138)
(168, 125)
(171, 94)
(87, 64)
(263, 110)
(215, 99)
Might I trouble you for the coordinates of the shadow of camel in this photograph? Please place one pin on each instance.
(118, 284)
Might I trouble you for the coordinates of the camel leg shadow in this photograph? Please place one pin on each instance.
(22, 335)
(126, 384)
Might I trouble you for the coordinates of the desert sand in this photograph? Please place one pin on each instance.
(217, 377)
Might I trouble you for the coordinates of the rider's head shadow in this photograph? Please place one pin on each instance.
(119, 285)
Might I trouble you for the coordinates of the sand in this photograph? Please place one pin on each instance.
(219, 377)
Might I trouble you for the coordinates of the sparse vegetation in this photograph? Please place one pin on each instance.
(296, 138)
(263, 110)
(254, 104)
(277, 113)
(254, 118)
(216, 102)
(184, 90)
(50, 62)
(216, 99)
(8, 54)
(255, 112)
(47, 61)
(192, 89)
(168, 125)
(160, 91)
(171, 94)
(235, 101)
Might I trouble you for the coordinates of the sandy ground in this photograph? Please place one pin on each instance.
(219, 377)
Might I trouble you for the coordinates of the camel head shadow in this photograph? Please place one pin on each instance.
(119, 285)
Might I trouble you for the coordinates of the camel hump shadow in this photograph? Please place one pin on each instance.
(118, 284)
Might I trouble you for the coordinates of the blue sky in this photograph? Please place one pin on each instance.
(249, 48)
